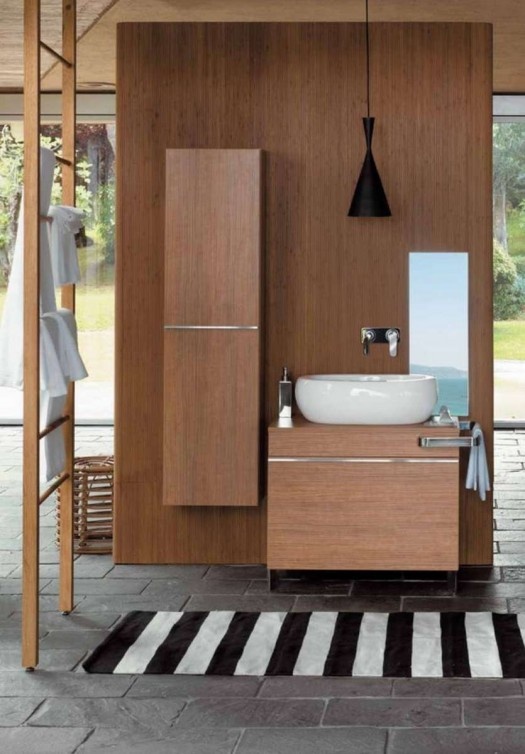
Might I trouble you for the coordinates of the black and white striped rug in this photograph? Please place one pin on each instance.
(481, 645)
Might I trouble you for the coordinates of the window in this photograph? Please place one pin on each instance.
(96, 250)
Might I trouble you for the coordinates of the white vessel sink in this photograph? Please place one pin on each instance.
(366, 398)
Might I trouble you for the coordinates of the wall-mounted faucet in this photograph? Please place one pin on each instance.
(390, 335)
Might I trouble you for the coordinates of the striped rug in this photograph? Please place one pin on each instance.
(465, 645)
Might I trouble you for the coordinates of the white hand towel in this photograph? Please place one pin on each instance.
(69, 357)
(11, 327)
(478, 473)
(64, 259)
(51, 409)
(53, 380)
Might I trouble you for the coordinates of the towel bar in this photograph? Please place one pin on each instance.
(448, 442)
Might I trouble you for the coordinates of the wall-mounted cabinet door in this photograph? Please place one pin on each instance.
(212, 320)
(213, 237)
(211, 417)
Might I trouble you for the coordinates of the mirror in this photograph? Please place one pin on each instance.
(438, 301)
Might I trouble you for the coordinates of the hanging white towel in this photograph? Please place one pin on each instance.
(52, 378)
(64, 259)
(71, 363)
(52, 409)
(478, 473)
(12, 327)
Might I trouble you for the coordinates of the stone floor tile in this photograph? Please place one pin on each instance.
(48, 684)
(324, 687)
(10, 543)
(297, 587)
(192, 686)
(7, 569)
(50, 659)
(11, 603)
(511, 536)
(512, 548)
(153, 715)
(491, 711)
(10, 558)
(14, 586)
(238, 602)
(81, 570)
(456, 687)
(16, 711)
(510, 513)
(72, 639)
(400, 588)
(55, 621)
(237, 572)
(160, 587)
(454, 604)
(313, 741)
(508, 560)
(185, 573)
(307, 603)
(506, 524)
(102, 586)
(126, 603)
(43, 740)
(251, 713)
(457, 741)
(513, 574)
(393, 712)
(503, 589)
(173, 741)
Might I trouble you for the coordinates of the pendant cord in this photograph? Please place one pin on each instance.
(367, 62)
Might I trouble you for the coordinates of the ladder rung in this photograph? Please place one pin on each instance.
(54, 425)
(56, 55)
(62, 160)
(61, 479)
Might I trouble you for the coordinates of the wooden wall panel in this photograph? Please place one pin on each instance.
(298, 92)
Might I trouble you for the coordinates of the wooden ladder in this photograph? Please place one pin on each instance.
(32, 497)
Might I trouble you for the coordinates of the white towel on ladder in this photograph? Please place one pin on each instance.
(12, 327)
(64, 259)
(478, 478)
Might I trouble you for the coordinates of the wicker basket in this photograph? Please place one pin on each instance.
(92, 505)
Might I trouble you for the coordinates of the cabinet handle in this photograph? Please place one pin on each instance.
(211, 327)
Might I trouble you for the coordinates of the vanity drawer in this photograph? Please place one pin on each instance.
(351, 514)
(357, 441)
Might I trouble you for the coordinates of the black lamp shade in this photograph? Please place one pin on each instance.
(369, 196)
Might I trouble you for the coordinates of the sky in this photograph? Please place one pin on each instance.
(438, 303)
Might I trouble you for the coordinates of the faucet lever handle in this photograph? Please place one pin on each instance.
(392, 336)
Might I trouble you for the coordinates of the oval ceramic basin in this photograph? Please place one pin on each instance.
(366, 398)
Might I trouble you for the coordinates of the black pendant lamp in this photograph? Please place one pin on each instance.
(369, 198)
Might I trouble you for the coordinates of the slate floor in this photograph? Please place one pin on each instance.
(61, 709)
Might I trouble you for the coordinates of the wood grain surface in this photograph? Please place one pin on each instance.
(296, 90)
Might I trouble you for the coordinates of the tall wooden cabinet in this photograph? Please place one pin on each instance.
(212, 327)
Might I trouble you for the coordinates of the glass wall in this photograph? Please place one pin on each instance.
(96, 250)
(509, 258)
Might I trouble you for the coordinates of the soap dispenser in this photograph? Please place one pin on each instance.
(285, 396)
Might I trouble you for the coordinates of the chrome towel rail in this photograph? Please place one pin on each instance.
(449, 442)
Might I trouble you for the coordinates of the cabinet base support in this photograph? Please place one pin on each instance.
(452, 582)
(273, 579)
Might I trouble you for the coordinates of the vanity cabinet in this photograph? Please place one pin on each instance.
(362, 498)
